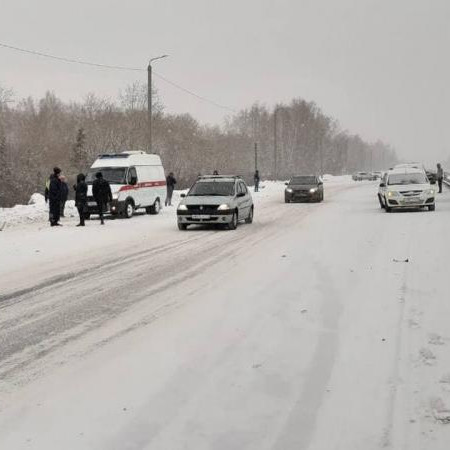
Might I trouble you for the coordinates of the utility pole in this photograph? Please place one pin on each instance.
(275, 150)
(150, 101)
(149, 105)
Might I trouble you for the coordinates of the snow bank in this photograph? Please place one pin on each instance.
(35, 211)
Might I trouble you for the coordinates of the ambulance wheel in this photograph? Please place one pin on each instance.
(128, 210)
(156, 207)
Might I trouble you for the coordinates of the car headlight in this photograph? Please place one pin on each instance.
(430, 192)
(312, 190)
(392, 194)
(182, 208)
(223, 207)
(289, 190)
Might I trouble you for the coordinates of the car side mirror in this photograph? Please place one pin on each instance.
(320, 183)
(183, 195)
(133, 181)
(433, 182)
(287, 184)
(240, 194)
(382, 184)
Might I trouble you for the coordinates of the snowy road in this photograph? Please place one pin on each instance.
(305, 330)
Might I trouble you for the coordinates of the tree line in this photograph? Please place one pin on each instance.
(36, 135)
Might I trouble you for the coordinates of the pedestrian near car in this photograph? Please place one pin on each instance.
(101, 191)
(256, 179)
(54, 197)
(64, 193)
(81, 198)
(170, 182)
(440, 176)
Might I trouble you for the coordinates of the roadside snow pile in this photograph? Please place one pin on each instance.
(35, 211)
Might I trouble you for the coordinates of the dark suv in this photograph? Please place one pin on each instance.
(304, 188)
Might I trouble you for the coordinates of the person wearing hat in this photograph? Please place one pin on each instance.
(81, 197)
(55, 193)
(101, 191)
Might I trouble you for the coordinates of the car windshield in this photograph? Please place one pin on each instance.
(219, 188)
(407, 178)
(114, 175)
(303, 180)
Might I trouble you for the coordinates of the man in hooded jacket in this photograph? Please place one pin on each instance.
(81, 197)
(101, 191)
(54, 197)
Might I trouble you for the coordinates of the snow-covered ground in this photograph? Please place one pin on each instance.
(319, 326)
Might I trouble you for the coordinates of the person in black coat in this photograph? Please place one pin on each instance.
(101, 191)
(81, 197)
(54, 197)
(256, 179)
(64, 193)
(171, 182)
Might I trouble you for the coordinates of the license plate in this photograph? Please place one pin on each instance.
(411, 200)
(201, 216)
(92, 204)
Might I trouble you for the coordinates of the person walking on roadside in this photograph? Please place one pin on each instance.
(54, 197)
(64, 193)
(81, 197)
(101, 191)
(256, 179)
(440, 176)
(170, 182)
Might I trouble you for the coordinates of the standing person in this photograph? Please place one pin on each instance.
(54, 197)
(64, 193)
(440, 176)
(215, 172)
(256, 179)
(101, 191)
(171, 182)
(81, 197)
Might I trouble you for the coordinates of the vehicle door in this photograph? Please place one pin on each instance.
(243, 199)
(132, 181)
(383, 186)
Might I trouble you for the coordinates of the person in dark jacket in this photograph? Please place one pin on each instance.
(54, 197)
(64, 193)
(101, 191)
(256, 179)
(170, 182)
(440, 176)
(81, 197)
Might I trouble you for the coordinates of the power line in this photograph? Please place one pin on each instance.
(114, 67)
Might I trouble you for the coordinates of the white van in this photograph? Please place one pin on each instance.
(137, 180)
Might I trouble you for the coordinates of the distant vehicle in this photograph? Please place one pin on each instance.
(377, 175)
(137, 181)
(304, 188)
(432, 176)
(217, 200)
(361, 176)
(406, 188)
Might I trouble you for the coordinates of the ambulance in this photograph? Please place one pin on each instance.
(137, 181)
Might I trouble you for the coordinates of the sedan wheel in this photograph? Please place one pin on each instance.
(234, 222)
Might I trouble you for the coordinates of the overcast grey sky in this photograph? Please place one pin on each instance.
(381, 67)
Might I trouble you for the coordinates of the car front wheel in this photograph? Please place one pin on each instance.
(234, 221)
(431, 207)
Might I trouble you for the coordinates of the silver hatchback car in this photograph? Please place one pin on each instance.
(216, 200)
